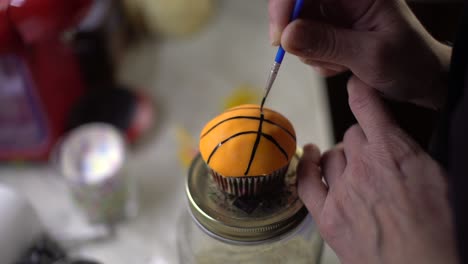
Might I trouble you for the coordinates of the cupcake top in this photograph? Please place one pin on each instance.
(243, 142)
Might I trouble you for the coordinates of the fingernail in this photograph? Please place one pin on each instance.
(322, 71)
(312, 153)
(318, 69)
(308, 150)
(275, 36)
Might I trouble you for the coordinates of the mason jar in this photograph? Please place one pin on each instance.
(91, 160)
(221, 228)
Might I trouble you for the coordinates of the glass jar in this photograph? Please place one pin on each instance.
(91, 160)
(221, 228)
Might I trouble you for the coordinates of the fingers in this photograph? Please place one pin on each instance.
(333, 164)
(323, 68)
(312, 190)
(280, 13)
(312, 153)
(369, 110)
(323, 42)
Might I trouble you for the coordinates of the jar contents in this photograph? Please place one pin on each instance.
(294, 251)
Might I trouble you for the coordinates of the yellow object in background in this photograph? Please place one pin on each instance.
(187, 147)
(170, 17)
(244, 94)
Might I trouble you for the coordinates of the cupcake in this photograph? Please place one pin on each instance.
(248, 151)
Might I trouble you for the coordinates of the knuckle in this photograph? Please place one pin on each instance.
(406, 141)
(359, 101)
(395, 146)
(380, 155)
(330, 51)
(360, 173)
(352, 134)
(329, 228)
(332, 222)
(381, 51)
(381, 54)
(330, 45)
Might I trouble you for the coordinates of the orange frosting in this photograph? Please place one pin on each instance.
(241, 142)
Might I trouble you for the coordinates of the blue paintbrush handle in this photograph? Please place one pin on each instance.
(279, 56)
(297, 10)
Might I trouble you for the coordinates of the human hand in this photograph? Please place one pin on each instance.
(380, 41)
(385, 200)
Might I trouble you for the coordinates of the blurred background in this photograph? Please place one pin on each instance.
(112, 94)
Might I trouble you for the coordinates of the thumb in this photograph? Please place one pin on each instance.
(323, 42)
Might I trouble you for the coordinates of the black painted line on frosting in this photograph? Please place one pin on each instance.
(259, 133)
(251, 118)
(257, 142)
(269, 137)
(273, 140)
(226, 140)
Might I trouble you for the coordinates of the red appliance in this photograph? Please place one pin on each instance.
(40, 77)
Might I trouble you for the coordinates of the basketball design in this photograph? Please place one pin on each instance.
(245, 142)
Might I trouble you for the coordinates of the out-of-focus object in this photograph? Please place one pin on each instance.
(187, 147)
(100, 41)
(43, 76)
(82, 262)
(92, 40)
(37, 20)
(170, 17)
(40, 78)
(131, 112)
(9, 39)
(91, 159)
(23, 237)
(43, 251)
(243, 94)
(38, 87)
(222, 228)
(19, 225)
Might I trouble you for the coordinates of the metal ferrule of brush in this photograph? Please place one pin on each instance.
(271, 79)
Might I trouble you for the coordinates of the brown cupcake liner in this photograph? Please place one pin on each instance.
(252, 185)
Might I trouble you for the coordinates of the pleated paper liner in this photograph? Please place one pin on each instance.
(252, 185)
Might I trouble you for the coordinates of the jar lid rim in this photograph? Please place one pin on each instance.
(220, 214)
